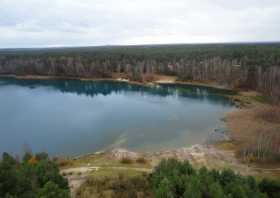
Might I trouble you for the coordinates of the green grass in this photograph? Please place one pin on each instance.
(261, 99)
(113, 173)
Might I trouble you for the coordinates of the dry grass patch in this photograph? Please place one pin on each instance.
(117, 184)
(229, 146)
(263, 147)
(270, 114)
(257, 132)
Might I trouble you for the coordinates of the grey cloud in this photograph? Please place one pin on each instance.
(29, 23)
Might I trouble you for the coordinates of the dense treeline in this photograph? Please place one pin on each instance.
(173, 179)
(35, 176)
(251, 66)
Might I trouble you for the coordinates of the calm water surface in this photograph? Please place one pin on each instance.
(68, 117)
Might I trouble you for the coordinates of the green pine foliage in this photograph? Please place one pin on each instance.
(36, 176)
(172, 179)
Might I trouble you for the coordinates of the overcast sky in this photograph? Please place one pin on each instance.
(48, 23)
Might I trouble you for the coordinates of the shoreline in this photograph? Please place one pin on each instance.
(170, 80)
(161, 80)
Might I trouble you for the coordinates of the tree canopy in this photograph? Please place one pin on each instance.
(174, 179)
(36, 176)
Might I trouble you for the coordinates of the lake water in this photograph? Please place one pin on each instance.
(69, 117)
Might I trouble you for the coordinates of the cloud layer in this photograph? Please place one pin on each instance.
(43, 23)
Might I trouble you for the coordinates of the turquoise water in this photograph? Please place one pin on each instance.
(69, 117)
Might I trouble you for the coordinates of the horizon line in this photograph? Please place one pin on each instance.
(135, 45)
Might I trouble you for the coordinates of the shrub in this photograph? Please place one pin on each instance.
(126, 160)
(141, 160)
(52, 190)
(271, 187)
(64, 162)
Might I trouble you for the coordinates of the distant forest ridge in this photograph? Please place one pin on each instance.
(254, 66)
(79, 49)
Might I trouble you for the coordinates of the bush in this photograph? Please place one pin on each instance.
(52, 190)
(271, 187)
(126, 160)
(141, 160)
(64, 162)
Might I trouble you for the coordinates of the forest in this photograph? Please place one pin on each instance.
(253, 66)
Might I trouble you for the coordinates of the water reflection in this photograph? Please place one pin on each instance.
(94, 88)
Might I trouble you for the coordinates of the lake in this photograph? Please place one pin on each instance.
(71, 117)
